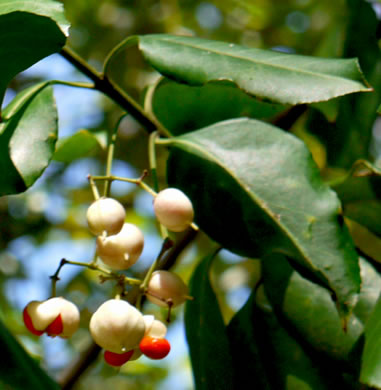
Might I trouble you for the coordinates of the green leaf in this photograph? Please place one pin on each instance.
(27, 138)
(245, 349)
(267, 357)
(289, 366)
(17, 369)
(348, 139)
(280, 77)
(370, 290)
(371, 358)
(82, 144)
(360, 194)
(309, 310)
(181, 108)
(206, 333)
(44, 30)
(365, 212)
(256, 189)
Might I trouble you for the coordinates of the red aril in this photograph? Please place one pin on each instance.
(117, 359)
(55, 328)
(155, 348)
(29, 324)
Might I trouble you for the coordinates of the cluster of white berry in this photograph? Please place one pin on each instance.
(117, 326)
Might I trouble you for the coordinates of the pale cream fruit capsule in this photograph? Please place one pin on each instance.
(121, 250)
(105, 215)
(173, 209)
(167, 289)
(117, 326)
(43, 314)
(154, 328)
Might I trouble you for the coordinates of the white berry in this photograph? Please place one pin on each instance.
(121, 250)
(166, 288)
(154, 328)
(106, 215)
(117, 326)
(173, 209)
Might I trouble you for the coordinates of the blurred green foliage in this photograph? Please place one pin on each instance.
(28, 226)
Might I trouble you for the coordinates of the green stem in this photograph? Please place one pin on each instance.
(93, 187)
(95, 258)
(103, 84)
(152, 159)
(152, 163)
(138, 182)
(16, 106)
(91, 266)
(110, 275)
(148, 98)
(134, 281)
(55, 277)
(75, 84)
(167, 244)
(110, 154)
(161, 141)
(155, 140)
(126, 43)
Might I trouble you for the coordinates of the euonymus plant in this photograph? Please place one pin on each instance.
(313, 319)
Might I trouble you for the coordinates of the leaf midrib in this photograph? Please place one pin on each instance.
(321, 75)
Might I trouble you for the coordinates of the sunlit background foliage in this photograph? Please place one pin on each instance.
(47, 222)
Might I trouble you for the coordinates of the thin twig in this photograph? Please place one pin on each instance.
(103, 84)
(139, 182)
(110, 154)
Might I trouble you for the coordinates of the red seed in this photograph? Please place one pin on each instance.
(155, 348)
(29, 324)
(56, 327)
(117, 359)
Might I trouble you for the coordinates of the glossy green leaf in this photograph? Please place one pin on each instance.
(365, 212)
(18, 371)
(349, 137)
(360, 194)
(310, 312)
(371, 358)
(248, 366)
(181, 108)
(289, 366)
(370, 291)
(82, 144)
(256, 189)
(206, 333)
(44, 30)
(27, 138)
(280, 77)
(267, 357)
